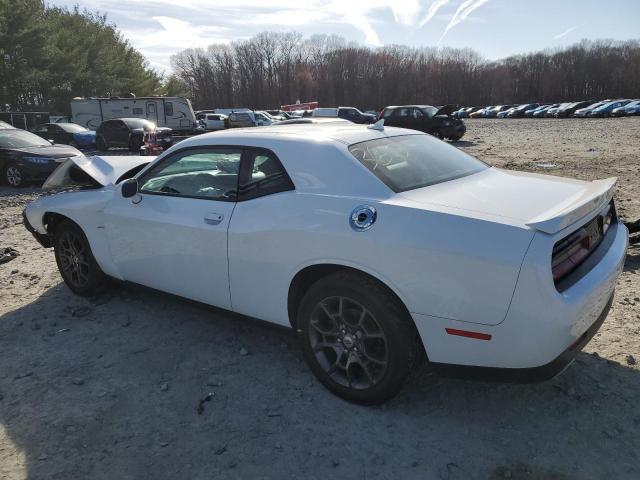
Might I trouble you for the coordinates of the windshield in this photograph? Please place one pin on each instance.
(20, 139)
(429, 111)
(414, 161)
(72, 127)
(137, 122)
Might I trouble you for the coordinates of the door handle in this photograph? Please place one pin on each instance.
(213, 218)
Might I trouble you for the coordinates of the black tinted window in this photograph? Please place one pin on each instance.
(168, 108)
(414, 161)
(263, 175)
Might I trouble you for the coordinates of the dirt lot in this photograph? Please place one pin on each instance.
(108, 388)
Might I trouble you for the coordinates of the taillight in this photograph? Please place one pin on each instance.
(572, 250)
(568, 253)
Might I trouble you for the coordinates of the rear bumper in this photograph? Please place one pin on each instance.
(526, 375)
(544, 328)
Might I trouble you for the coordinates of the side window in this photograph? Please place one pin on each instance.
(209, 173)
(42, 129)
(387, 113)
(417, 114)
(168, 108)
(262, 174)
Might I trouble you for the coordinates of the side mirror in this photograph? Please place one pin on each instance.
(52, 142)
(129, 188)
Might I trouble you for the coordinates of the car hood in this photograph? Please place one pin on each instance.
(54, 151)
(541, 202)
(104, 170)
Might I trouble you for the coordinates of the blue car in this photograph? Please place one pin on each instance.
(68, 134)
(531, 111)
(631, 108)
(585, 112)
(606, 109)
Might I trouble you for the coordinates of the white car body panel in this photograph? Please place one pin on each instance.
(472, 253)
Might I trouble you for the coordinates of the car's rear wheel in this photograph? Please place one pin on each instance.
(357, 338)
(101, 144)
(14, 175)
(76, 263)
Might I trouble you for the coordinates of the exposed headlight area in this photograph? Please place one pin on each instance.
(570, 252)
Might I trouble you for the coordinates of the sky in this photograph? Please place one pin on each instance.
(494, 28)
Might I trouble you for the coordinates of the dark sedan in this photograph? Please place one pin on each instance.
(26, 157)
(129, 132)
(569, 110)
(67, 133)
(425, 118)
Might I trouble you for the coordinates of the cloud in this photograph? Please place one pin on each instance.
(433, 9)
(566, 32)
(464, 10)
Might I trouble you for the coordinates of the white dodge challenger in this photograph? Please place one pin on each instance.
(380, 246)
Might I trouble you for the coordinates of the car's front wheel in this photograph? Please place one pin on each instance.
(358, 340)
(76, 263)
(14, 176)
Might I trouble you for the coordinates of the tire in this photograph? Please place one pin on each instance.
(101, 144)
(76, 262)
(14, 175)
(366, 352)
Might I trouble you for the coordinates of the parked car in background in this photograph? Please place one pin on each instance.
(465, 112)
(371, 112)
(568, 110)
(26, 157)
(480, 112)
(279, 114)
(551, 112)
(541, 112)
(606, 109)
(249, 119)
(129, 132)
(263, 118)
(356, 116)
(67, 133)
(325, 112)
(212, 121)
(505, 113)
(425, 118)
(631, 108)
(519, 111)
(493, 111)
(383, 248)
(586, 111)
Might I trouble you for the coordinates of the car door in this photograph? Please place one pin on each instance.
(172, 235)
(257, 233)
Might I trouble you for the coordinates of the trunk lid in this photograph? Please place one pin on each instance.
(542, 202)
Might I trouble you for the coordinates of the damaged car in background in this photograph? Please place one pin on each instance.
(381, 247)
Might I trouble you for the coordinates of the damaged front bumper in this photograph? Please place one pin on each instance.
(43, 239)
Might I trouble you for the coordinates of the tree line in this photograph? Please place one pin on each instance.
(49, 55)
(273, 69)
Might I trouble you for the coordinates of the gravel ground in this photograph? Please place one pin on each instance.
(109, 387)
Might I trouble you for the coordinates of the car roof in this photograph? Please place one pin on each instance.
(342, 132)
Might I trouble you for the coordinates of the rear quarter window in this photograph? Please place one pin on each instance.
(408, 162)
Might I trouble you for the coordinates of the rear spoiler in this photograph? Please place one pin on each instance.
(595, 195)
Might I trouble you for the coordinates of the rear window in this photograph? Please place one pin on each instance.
(414, 161)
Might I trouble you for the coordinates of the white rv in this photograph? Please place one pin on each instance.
(172, 112)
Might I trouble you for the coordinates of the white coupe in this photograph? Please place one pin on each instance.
(380, 246)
